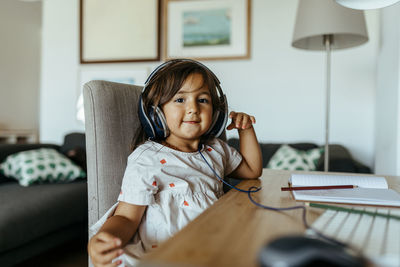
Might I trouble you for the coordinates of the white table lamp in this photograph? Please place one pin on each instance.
(366, 4)
(325, 25)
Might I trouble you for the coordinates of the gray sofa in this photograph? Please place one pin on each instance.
(340, 159)
(39, 217)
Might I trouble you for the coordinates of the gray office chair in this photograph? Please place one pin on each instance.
(111, 123)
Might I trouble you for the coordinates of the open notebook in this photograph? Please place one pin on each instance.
(371, 190)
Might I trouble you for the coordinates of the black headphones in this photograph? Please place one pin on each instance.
(154, 122)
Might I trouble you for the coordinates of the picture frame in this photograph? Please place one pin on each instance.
(119, 31)
(207, 29)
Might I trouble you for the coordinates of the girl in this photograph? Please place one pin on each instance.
(169, 178)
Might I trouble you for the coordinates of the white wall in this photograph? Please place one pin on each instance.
(282, 86)
(59, 72)
(388, 95)
(20, 40)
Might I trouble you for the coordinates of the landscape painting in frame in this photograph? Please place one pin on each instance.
(207, 29)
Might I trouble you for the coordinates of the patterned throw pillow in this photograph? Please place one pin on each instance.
(39, 166)
(289, 158)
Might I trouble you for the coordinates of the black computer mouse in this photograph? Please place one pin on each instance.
(300, 251)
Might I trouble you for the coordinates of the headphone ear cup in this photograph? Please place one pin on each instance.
(159, 122)
(219, 120)
(146, 121)
(154, 124)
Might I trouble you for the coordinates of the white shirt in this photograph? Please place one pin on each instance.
(176, 187)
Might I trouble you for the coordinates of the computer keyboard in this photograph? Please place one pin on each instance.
(377, 237)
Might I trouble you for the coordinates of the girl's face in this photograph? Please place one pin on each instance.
(189, 112)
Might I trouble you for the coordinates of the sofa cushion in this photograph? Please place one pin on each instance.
(31, 212)
(40, 165)
(269, 149)
(8, 149)
(288, 158)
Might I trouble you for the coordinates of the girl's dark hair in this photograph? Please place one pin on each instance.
(167, 81)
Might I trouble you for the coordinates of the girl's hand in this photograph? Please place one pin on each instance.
(103, 248)
(240, 121)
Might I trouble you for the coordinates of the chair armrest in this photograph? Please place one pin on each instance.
(74, 147)
(361, 168)
(73, 141)
(340, 160)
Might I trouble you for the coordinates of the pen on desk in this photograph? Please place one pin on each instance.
(292, 188)
(352, 210)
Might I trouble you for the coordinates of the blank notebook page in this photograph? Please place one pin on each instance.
(320, 180)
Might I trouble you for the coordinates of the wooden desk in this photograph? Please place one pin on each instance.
(232, 231)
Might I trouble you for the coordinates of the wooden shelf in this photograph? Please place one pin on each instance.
(18, 137)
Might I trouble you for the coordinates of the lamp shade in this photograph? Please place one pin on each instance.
(366, 4)
(316, 18)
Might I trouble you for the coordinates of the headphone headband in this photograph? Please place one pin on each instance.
(153, 119)
(153, 73)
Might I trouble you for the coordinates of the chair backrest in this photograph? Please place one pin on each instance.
(111, 122)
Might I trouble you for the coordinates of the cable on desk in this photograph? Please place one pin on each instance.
(254, 189)
(306, 225)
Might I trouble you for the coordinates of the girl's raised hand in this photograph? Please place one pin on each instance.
(103, 248)
(240, 121)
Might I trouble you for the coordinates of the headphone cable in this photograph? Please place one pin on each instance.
(254, 189)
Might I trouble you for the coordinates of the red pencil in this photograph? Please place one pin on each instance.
(317, 187)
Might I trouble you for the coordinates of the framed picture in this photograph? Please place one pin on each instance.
(135, 77)
(119, 31)
(207, 29)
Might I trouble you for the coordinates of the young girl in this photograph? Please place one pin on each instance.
(167, 182)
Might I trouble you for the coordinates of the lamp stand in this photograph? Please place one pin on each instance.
(328, 40)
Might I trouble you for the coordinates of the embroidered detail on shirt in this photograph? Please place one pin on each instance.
(185, 203)
(209, 149)
(163, 161)
(154, 183)
(171, 185)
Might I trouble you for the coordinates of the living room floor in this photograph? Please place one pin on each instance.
(71, 254)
